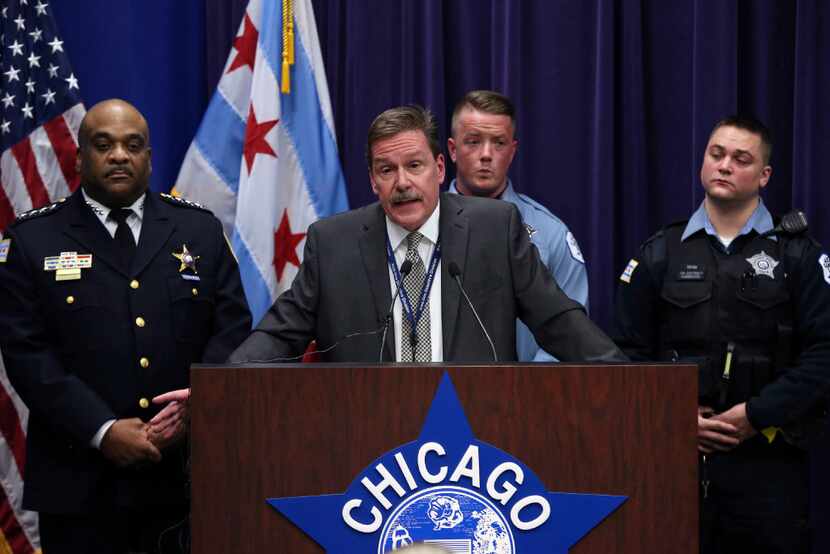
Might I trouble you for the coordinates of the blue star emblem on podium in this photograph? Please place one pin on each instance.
(449, 489)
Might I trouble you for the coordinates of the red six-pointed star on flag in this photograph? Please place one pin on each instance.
(285, 246)
(245, 45)
(255, 142)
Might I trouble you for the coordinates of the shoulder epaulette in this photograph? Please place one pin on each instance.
(654, 237)
(179, 201)
(660, 233)
(678, 223)
(37, 212)
(798, 242)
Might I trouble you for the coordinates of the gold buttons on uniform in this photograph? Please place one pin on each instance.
(195, 291)
(140, 321)
(144, 403)
(133, 284)
(144, 362)
(70, 299)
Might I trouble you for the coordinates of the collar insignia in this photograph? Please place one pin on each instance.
(452, 490)
(187, 259)
(763, 264)
(98, 211)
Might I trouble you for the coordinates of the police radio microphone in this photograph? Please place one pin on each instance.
(406, 267)
(455, 273)
(792, 223)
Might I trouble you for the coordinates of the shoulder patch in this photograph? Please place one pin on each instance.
(5, 245)
(824, 263)
(37, 212)
(179, 201)
(573, 246)
(629, 271)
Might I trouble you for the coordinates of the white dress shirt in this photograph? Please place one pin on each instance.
(134, 223)
(397, 238)
(102, 213)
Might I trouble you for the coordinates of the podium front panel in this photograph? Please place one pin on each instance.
(299, 430)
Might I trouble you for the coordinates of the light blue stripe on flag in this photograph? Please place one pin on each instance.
(256, 290)
(303, 120)
(220, 138)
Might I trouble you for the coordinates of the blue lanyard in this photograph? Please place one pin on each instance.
(414, 316)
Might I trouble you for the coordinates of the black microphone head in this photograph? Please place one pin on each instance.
(794, 222)
(406, 267)
(455, 271)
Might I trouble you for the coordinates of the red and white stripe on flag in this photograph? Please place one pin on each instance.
(41, 167)
(40, 113)
(18, 527)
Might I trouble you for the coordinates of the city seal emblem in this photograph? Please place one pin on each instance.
(451, 490)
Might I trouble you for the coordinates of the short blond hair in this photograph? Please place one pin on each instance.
(486, 101)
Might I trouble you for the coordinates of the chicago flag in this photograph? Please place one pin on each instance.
(265, 161)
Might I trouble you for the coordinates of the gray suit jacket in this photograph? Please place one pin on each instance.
(343, 288)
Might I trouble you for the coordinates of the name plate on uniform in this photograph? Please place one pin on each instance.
(692, 272)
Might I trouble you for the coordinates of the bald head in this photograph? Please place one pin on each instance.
(107, 109)
(114, 153)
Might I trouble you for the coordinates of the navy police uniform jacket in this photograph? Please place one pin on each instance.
(84, 347)
(755, 317)
(765, 299)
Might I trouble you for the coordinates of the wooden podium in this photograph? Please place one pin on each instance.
(296, 430)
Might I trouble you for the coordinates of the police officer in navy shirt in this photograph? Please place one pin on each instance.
(482, 146)
(107, 299)
(749, 303)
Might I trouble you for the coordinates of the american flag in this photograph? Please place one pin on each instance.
(40, 112)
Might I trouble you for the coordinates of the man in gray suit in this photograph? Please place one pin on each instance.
(419, 247)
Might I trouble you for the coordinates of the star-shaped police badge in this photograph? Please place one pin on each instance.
(449, 489)
(187, 259)
(763, 264)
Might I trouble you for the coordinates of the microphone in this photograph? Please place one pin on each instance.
(406, 267)
(455, 273)
(792, 223)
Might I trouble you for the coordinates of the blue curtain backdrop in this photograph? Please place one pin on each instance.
(150, 53)
(615, 98)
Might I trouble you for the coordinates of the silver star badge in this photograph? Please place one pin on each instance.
(763, 264)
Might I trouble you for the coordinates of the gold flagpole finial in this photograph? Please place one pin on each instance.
(290, 31)
(287, 45)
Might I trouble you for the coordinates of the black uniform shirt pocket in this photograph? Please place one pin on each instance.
(685, 294)
(762, 292)
(762, 305)
(78, 305)
(685, 314)
(191, 304)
